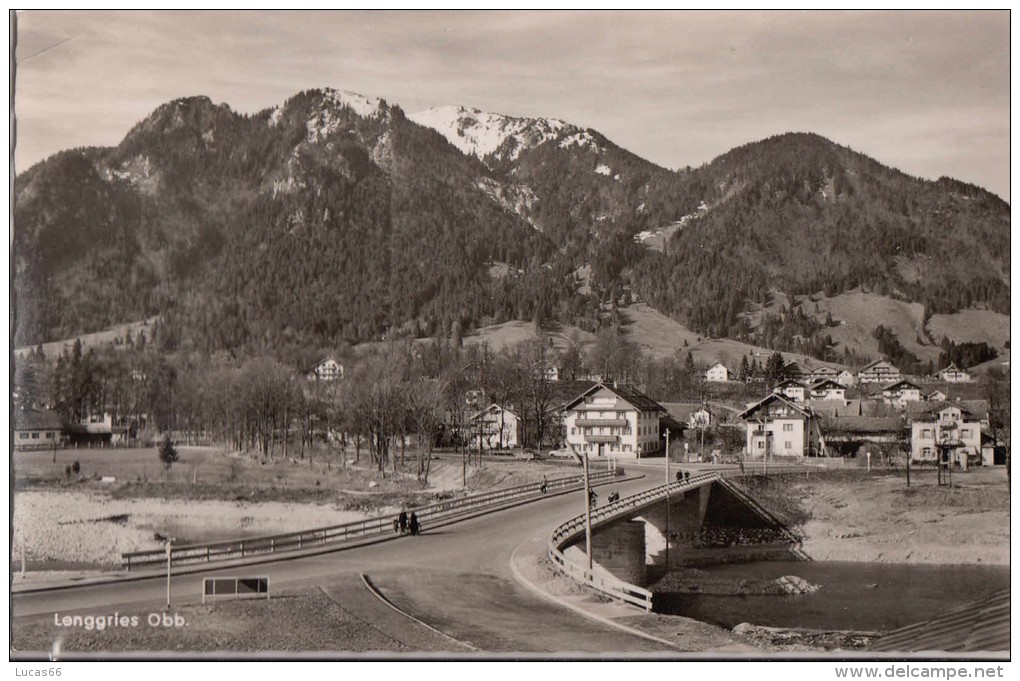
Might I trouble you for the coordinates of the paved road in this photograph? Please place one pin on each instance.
(456, 578)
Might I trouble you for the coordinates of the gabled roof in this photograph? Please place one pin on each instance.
(793, 368)
(789, 382)
(36, 419)
(824, 370)
(627, 393)
(834, 408)
(902, 383)
(938, 407)
(718, 364)
(492, 407)
(682, 411)
(827, 383)
(876, 363)
(772, 398)
(869, 424)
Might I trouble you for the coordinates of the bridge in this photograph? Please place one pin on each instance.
(669, 526)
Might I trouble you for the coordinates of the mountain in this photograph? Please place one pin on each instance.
(335, 218)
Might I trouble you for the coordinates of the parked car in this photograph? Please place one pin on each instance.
(528, 455)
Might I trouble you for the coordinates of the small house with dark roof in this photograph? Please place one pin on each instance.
(36, 429)
(613, 420)
(953, 374)
(900, 392)
(795, 372)
(827, 389)
(693, 414)
(791, 389)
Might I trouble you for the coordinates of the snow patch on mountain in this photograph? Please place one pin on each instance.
(516, 198)
(325, 120)
(656, 239)
(479, 133)
(274, 118)
(581, 139)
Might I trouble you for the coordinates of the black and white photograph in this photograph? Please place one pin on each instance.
(510, 335)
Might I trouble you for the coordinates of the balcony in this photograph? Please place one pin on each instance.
(602, 423)
(602, 438)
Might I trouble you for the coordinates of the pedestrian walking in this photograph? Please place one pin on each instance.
(592, 499)
(413, 525)
(545, 485)
(679, 476)
(687, 475)
(402, 519)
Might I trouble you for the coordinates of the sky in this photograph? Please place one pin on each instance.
(925, 92)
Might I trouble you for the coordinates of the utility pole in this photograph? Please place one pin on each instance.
(169, 559)
(667, 499)
(587, 512)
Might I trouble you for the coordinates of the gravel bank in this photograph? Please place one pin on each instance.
(91, 528)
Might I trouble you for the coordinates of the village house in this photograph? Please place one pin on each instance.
(552, 373)
(858, 435)
(496, 428)
(692, 414)
(793, 371)
(953, 374)
(847, 378)
(951, 427)
(879, 371)
(900, 392)
(791, 389)
(827, 389)
(327, 370)
(36, 429)
(613, 420)
(777, 426)
(823, 373)
(717, 373)
(936, 396)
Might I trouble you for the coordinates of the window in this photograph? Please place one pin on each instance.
(787, 427)
(761, 445)
(965, 432)
(35, 436)
(926, 451)
(620, 415)
(49, 436)
(788, 445)
(573, 431)
(22, 436)
(926, 433)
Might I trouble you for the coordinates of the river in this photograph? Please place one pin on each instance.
(853, 596)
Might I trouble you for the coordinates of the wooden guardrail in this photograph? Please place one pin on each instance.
(569, 531)
(291, 541)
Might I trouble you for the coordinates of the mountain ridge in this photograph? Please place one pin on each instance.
(301, 222)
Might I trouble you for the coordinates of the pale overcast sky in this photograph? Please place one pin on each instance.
(926, 92)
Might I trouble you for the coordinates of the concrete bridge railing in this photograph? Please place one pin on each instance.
(570, 531)
(208, 552)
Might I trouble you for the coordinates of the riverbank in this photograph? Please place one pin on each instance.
(876, 518)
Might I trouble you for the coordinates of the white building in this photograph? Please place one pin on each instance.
(777, 426)
(847, 378)
(950, 426)
(791, 389)
(717, 373)
(828, 389)
(900, 392)
(495, 428)
(327, 370)
(879, 371)
(953, 374)
(613, 420)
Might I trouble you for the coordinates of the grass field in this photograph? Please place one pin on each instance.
(93, 340)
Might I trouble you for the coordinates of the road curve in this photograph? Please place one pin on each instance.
(456, 579)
